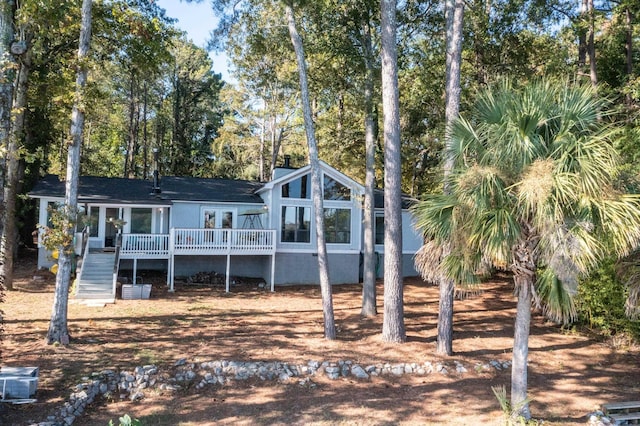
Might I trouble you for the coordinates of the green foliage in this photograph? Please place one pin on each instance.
(126, 420)
(59, 232)
(601, 300)
(510, 417)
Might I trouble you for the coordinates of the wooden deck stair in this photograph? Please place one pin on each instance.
(623, 413)
(95, 279)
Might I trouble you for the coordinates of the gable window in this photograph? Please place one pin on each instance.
(140, 221)
(335, 191)
(298, 188)
(337, 226)
(296, 223)
(379, 224)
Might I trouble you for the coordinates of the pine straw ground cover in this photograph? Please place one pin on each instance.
(570, 374)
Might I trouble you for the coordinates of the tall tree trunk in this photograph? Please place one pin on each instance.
(58, 331)
(524, 276)
(629, 39)
(591, 47)
(369, 307)
(145, 135)
(316, 189)
(582, 36)
(393, 329)
(6, 97)
(522, 326)
(481, 26)
(454, 10)
(261, 153)
(6, 101)
(16, 138)
(629, 52)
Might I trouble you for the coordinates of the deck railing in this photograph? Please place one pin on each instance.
(222, 241)
(144, 244)
(198, 242)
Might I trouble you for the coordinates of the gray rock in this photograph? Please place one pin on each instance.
(359, 372)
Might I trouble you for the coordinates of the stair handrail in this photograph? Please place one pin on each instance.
(84, 251)
(116, 266)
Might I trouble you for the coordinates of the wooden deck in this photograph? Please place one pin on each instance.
(182, 241)
(199, 242)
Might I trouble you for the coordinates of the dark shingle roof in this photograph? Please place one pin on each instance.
(95, 189)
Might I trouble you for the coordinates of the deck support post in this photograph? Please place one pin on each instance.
(273, 271)
(228, 270)
(135, 271)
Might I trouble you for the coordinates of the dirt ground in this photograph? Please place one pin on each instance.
(570, 374)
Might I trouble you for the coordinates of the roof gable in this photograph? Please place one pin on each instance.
(326, 168)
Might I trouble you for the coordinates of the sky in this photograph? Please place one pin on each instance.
(197, 20)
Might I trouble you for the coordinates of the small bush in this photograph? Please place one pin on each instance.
(600, 302)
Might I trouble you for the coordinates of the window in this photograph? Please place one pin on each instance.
(217, 218)
(379, 224)
(227, 220)
(209, 219)
(299, 188)
(94, 218)
(337, 226)
(140, 221)
(334, 190)
(296, 223)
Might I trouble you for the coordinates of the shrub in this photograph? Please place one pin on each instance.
(601, 303)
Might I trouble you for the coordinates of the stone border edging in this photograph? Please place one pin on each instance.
(132, 385)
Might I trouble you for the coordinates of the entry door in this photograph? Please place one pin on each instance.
(112, 216)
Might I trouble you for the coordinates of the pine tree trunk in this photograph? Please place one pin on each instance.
(58, 331)
(369, 307)
(16, 136)
(316, 189)
(6, 96)
(591, 47)
(454, 10)
(393, 329)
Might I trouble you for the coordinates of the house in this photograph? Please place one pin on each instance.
(187, 225)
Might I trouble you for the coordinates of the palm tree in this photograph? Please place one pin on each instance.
(533, 191)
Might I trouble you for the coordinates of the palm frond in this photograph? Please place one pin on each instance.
(628, 271)
(494, 233)
(434, 215)
(619, 218)
(554, 298)
(428, 261)
(632, 304)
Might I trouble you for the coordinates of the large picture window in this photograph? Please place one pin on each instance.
(140, 221)
(296, 223)
(337, 226)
